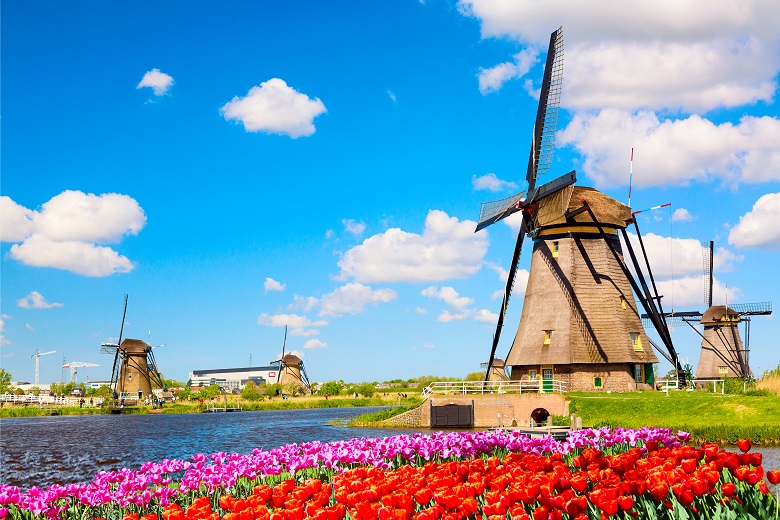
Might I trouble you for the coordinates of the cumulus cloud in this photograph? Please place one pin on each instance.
(275, 108)
(656, 55)
(303, 303)
(315, 343)
(65, 232)
(758, 228)
(297, 325)
(391, 95)
(420, 310)
(352, 298)
(3, 340)
(491, 182)
(493, 78)
(485, 316)
(291, 352)
(449, 295)
(158, 81)
(674, 152)
(447, 249)
(354, 227)
(681, 215)
(429, 346)
(272, 285)
(35, 300)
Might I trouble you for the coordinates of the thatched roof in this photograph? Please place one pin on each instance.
(715, 315)
(608, 211)
(291, 360)
(134, 346)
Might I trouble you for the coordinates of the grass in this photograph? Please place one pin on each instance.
(708, 416)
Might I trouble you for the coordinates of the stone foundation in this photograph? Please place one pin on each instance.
(615, 377)
(498, 410)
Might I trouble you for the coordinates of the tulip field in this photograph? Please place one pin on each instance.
(647, 473)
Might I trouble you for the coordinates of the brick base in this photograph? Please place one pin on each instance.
(496, 410)
(615, 377)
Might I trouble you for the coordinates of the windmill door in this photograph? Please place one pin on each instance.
(547, 380)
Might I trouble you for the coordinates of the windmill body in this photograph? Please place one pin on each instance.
(579, 323)
(722, 353)
(135, 375)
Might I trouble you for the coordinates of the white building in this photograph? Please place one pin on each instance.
(230, 378)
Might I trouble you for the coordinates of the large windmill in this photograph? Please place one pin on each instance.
(135, 369)
(291, 369)
(723, 353)
(579, 322)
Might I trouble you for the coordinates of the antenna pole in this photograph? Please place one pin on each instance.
(630, 176)
(709, 302)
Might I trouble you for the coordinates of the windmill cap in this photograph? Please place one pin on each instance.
(719, 313)
(134, 346)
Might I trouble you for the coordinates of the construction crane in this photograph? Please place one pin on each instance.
(74, 366)
(37, 357)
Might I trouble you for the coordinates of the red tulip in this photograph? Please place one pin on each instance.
(773, 476)
(728, 489)
(744, 445)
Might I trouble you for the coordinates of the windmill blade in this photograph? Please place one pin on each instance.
(495, 210)
(543, 145)
(752, 309)
(510, 281)
(707, 253)
(122, 327)
(114, 370)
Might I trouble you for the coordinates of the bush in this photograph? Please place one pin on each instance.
(331, 388)
(251, 393)
(365, 389)
(273, 390)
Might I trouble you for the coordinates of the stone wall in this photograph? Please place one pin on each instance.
(409, 419)
(615, 377)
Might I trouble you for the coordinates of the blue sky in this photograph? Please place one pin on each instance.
(235, 167)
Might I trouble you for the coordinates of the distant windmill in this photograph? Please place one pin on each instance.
(37, 357)
(134, 370)
(291, 369)
(722, 351)
(74, 366)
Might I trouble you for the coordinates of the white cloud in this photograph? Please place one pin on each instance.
(272, 285)
(759, 228)
(391, 95)
(429, 346)
(681, 215)
(64, 232)
(352, 298)
(329, 234)
(447, 249)
(292, 352)
(3, 340)
(674, 152)
(79, 257)
(315, 343)
(687, 293)
(490, 182)
(459, 315)
(420, 310)
(160, 82)
(35, 300)
(663, 54)
(275, 108)
(298, 325)
(485, 316)
(449, 295)
(354, 227)
(29, 327)
(303, 303)
(493, 78)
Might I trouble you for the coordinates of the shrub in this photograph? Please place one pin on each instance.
(365, 389)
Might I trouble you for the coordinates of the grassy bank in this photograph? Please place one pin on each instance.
(708, 416)
(277, 403)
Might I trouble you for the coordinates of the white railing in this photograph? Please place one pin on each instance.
(665, 385)
(493, 387)
(47, 400)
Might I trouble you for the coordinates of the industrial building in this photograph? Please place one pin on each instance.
(230, 378)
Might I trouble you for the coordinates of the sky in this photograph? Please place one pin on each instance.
(235, 168)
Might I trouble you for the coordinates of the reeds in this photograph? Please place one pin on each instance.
(770, 381)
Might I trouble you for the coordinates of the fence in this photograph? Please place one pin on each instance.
(494, 387)
(673, 384)
(46, 400)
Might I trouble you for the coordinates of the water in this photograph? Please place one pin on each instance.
(40, 451)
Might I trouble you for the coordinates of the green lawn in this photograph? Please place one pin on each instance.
(708, 416)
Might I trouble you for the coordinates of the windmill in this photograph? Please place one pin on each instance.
(722, 352)
(579, 321)
(134, 369)
(37, 357)
(291, 369)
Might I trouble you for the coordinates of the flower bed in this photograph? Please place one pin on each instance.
(647, 473)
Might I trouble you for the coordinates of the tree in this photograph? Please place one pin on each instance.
(210, 391)
(273, 389)
(331, 388)
(250, 392)
(103, 391)
(366, 389)
(475, 376)
(5, 381)
(171, 383)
